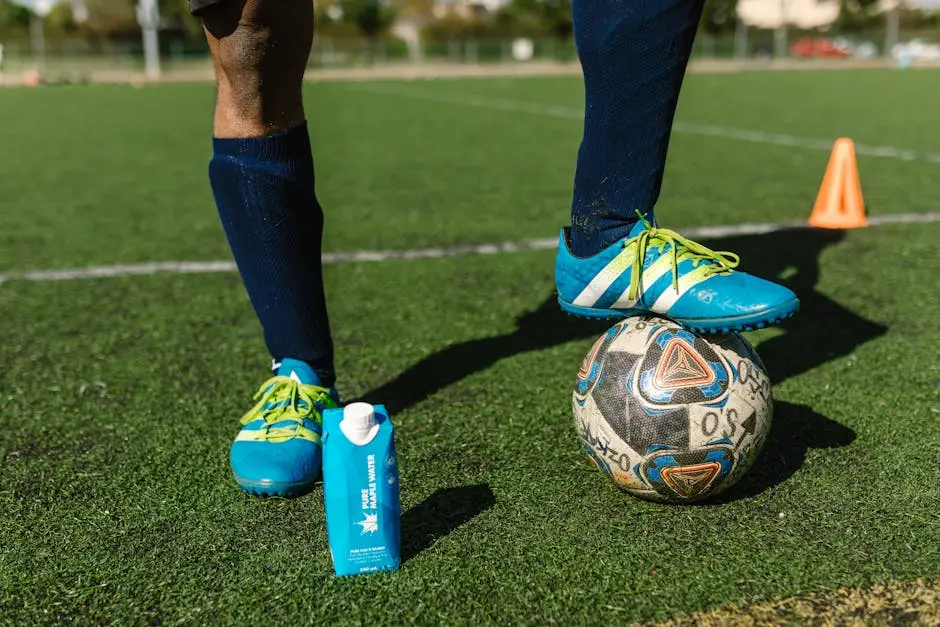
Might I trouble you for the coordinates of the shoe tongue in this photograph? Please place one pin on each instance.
(298, 371)
(639, 227)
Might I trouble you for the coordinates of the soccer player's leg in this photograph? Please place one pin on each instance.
(263, 181)
(614, 261)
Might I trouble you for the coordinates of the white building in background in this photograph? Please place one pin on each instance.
(800, 13)
(808, 13)
(757, 13)
(467, 7)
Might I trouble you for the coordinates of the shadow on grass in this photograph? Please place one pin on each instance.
(795, 429)
(824, 330)
(541, 328)
(441, 513)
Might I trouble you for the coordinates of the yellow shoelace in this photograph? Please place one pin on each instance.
(282, 399)
(720, 262)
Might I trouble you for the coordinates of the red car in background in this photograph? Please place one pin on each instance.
(817, 47)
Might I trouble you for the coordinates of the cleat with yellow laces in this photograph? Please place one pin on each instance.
(277, 452)
(657, 271)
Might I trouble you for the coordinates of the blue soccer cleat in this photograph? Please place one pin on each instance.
(657, 271)
(277, 452)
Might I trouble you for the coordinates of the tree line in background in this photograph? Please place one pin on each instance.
(108, 20)
(115, 20)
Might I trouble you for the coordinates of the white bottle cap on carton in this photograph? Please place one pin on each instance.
(358, 423)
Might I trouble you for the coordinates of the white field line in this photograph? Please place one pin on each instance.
(205, 267)
(707, 130)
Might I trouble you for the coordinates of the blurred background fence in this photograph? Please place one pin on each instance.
(75, 38)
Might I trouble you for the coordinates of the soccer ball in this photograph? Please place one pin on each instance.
(669, 415)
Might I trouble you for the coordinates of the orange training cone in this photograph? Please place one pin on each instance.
(839, 204)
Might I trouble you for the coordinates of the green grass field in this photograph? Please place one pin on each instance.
(119, 396)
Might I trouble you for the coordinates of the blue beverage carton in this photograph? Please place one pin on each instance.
(360, 489)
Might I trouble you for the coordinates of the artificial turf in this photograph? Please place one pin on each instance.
(119, 397)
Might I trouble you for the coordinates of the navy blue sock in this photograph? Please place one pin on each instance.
(264, 190)
(633, 54)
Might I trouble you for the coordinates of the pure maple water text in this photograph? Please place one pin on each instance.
(360, 489)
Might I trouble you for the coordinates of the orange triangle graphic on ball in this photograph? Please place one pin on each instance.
(681, 366)
(690, 481)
